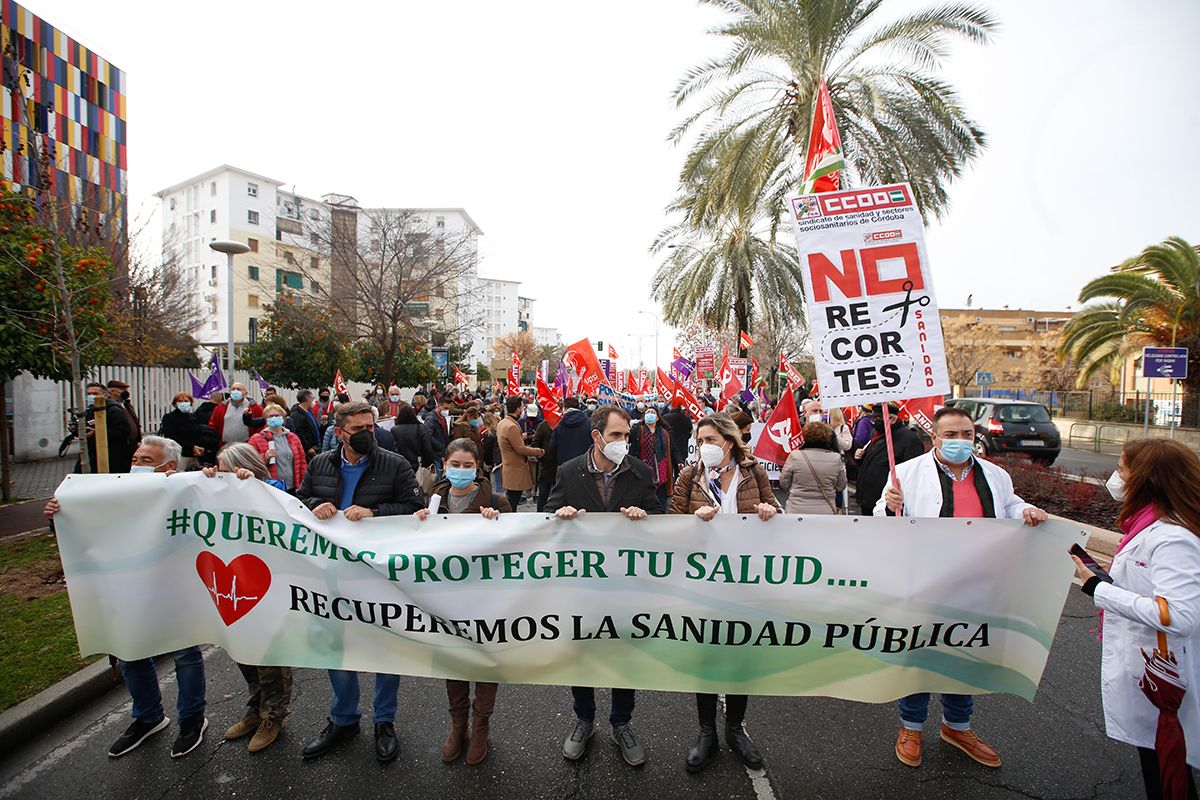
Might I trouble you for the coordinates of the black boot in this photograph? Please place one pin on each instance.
(740, 743)
(705, 749)
(328, 739)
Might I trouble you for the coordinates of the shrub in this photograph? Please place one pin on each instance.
(1056, 492)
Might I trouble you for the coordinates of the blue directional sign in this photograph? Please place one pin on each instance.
(983, 378)
(1164, 362)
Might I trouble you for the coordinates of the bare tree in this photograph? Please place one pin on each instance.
(970, 348)
(155, 314)
(391, 275)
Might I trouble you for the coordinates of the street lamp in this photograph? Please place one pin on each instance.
(230, 249)
(651, 313)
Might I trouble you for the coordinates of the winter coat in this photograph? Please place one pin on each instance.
(119, 430)
(410, 443)
(662, 449)
(253, 412)
(516, 471)
(679, 423)
(388, 486)
(575, 485)
(753, 487)
(491, 449)
(547, 464)
(572, 437)
(806, 495)
(304, 425)
(1163, 560)
(183, 428)
(437, 435)
(925, 495)
(262, 443)
(465, 430)
(873, 470)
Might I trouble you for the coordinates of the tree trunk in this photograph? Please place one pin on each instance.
(5, 466)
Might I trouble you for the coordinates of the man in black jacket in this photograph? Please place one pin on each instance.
(302, 419)
(873, 469)
(437, 431)
(604, 479)
(679, 423)
(360, 480)
(119, 429)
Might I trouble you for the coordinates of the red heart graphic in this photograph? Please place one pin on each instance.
(236, 587)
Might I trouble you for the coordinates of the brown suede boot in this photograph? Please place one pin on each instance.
(478, 747)
(453, 747)
(268, 731)
(243, 727)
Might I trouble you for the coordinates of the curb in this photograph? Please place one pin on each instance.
(31, 717)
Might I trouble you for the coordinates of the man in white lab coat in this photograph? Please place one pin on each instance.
(949, 481)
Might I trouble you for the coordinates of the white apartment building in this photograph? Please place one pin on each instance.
(547, 337)
(500, 316)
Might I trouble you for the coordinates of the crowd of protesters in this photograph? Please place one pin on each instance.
(489, 454)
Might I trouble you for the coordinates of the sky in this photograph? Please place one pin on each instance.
(548, 122)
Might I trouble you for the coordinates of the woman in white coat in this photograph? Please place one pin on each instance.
(1157, 483)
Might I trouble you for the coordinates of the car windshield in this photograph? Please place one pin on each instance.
(1022, 414)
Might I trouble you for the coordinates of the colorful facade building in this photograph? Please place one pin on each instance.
(63, 119)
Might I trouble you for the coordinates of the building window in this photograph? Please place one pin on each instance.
(253, 272)
(292, 280)
(315, 287)
(213, 272)
(314, 237)
(252, 189)
(252, 217)
(441, 222)
(171, 203)
(252, 244)
(212, 217)
(312, 262)
(252, 300)
(253, 329)
(212, 188)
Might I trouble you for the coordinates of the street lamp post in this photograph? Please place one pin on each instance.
(651, 313)
(230, 249)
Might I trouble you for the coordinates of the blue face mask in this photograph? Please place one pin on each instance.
(475, 423)
(184, 407)
(460, 477)
(275, 422)
(956, 451)
(651, 417)
(236, 395)
(395, 398)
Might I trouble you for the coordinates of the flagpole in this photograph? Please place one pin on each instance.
(891, 453)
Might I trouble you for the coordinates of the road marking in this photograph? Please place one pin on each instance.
(758, 777)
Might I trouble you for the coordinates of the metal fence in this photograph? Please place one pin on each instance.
(1165, 408)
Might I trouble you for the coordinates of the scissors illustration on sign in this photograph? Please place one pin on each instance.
(907, 302)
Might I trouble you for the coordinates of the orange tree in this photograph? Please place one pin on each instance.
(297, 345)
(410, 364)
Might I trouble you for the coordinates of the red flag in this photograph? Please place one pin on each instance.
(686, 399)
(675, 355)
(514, 375)
(824, 160)
(920, 410)
(794, 377)
(612, 352)
(815, 391)
(666, 387)
(754, 374)
(744, 340)
(581, 358)
(459, 377)
(549, 405)
(783, 432)
(731, 389)
(339, 383)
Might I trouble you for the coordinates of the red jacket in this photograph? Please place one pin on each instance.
(217, 420)
(262, 442)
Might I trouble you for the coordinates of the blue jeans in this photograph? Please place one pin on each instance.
(585, 704)
(141, 678)
(663, 492)
(956, 711)
(344, 710)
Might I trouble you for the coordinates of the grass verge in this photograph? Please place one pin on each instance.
(35, 620)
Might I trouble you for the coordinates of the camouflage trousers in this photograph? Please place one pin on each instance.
(270, 690)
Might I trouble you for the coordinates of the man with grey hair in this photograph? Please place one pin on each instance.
(237, 418)
(157, 454)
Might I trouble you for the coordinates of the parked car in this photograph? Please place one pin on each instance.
(1012, 426)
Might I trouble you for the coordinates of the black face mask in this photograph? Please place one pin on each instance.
(324, 398)
(878, 424)
(362, 442)
(746, 437)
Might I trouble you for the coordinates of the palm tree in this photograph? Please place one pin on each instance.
(1151, 300)
(730, 272)
(898, 120)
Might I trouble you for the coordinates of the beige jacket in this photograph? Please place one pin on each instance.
(516, 471)
(806, 495)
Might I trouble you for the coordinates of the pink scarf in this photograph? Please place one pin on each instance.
(1131, 527)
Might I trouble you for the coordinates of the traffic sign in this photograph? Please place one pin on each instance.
(983, 378)
(1164, 362)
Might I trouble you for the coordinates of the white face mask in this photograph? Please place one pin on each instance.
(712, 455)
(141, 469)
(1116, 487)
(616, 451)
(814, 418)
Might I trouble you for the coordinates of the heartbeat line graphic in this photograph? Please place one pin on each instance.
(233, 595)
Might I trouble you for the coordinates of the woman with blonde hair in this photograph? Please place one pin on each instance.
(726, 480)
(281, 450)
(270, 687)
(1152, 595)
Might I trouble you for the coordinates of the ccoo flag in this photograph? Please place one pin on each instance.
(783, 432)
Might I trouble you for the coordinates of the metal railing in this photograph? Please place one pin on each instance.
(1102, 405)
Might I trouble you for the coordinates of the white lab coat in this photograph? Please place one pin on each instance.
(1162, 560)
(923, 490)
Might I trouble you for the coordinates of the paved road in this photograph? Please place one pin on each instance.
(814, 747)
(1095, 465)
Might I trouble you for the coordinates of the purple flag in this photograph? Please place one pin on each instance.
(746, 395)
(198, 390)
(560, 378)
(214, 382)
(261, 383)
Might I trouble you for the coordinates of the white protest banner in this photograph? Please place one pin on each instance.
(869, 293)
(862, 608)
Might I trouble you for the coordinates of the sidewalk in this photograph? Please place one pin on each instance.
(33, 481)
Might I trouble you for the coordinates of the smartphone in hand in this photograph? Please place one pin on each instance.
(1089, 562)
